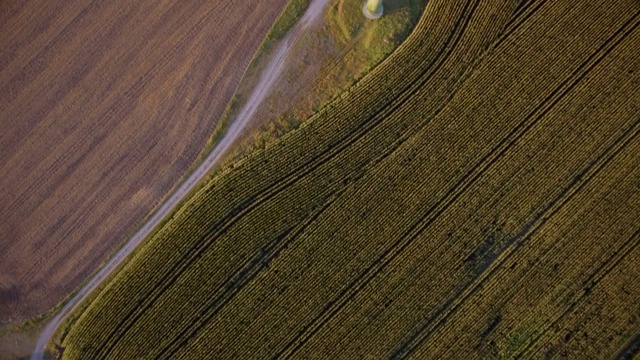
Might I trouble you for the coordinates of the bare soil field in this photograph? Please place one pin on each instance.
(104, 107)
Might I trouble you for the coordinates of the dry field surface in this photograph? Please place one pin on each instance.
(104, 106)
(477, 195)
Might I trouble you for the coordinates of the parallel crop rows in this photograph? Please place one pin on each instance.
(483, 157)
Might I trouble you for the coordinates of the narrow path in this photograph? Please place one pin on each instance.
(273, 69)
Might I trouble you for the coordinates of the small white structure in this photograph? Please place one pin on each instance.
(372, 9)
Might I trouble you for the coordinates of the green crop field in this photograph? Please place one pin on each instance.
(477, 195)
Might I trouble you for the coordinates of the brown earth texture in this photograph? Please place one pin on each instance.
(104, 106)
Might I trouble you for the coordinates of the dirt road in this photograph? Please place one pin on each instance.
(267, 79)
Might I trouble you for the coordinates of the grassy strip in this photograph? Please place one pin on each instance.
(290, 15)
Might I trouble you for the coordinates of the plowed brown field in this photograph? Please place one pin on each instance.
(104, 106)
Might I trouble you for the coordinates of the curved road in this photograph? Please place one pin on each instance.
(269, 75)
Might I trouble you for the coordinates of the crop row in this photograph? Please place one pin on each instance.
(316, 176)
(553, 272)
(578, 134)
